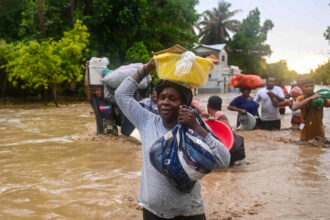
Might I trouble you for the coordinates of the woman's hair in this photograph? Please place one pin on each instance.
(242, 89)
(215, 102)
(306, 81)
(185, 93)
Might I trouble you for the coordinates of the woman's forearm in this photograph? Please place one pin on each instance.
(144, 71)
(299, 105)
(233, 108)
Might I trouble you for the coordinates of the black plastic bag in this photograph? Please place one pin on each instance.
(237, 152)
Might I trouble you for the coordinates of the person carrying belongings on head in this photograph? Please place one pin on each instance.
(311, 105)
(103, 108)
(170, 187)
(244, 104)
(112, 81)
(247, 108)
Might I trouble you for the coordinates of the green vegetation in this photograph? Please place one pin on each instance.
(44, 43)
(50, 63)
(248, 47)
(280, 70)
(217, 23)
(327, 34)
(321, 74)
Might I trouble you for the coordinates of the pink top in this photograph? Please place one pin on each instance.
(195, 102)
(218, 115)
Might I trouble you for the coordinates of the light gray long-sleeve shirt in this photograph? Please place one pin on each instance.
(157, 194)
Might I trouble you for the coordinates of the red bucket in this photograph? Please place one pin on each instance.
(223, 132)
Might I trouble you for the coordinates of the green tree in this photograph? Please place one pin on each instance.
(322, 74)
(5, 51)
(248, 47)
(217, 24)
(10, 18)
(327, 34)
(48, 17)
(116, 26)
(280, 70)
(51, 63)
(167, 23)
(138, 53)
(124, 31)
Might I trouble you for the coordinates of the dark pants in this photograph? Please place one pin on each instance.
(150, 216)
(282, 111)
(270, 125)
(126, 126)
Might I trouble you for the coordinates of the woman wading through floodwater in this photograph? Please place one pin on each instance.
(158, 197)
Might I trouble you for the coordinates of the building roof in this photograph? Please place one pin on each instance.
(217, 47)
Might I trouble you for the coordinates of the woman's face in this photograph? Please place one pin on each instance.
(168, 104)
(308, 89)
(246, 92)
(154, 97)
(99, 91)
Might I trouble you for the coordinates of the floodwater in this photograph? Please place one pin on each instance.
(53, 166)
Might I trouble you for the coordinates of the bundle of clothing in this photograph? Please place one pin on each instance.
(183, 157)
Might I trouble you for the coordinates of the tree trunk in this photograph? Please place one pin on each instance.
(41, 19)
(4, 83)
(45, 97)
(55, 96)
(72, 9)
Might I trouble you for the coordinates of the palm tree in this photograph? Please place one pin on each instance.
(217, 23)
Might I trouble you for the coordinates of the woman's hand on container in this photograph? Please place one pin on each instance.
(144, 71)
(243, 111)
(187, 118)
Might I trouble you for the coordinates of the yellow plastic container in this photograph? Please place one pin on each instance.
(197, 77)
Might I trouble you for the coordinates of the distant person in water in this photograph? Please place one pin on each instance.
(150, 103)
(214, 106)
(311, 118)
(270, 97)
(103, 108)
(295, 119)
(286, 95)
(243, 104)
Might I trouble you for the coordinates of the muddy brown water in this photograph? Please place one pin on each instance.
(53, 166)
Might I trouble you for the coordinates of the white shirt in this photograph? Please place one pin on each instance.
(269, 112)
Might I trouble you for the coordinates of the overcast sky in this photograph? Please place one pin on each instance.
(298, 30)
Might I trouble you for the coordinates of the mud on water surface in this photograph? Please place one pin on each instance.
(53, 166)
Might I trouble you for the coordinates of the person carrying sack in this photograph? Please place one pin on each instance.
(159, 198)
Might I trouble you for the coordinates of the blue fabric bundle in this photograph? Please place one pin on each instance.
(183, 157)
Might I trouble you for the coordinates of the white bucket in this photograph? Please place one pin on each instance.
(96, 65)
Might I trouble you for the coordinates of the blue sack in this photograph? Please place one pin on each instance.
(183, 157)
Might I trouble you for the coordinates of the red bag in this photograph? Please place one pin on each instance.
(246, 81)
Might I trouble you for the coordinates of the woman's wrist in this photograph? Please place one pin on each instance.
(200, 130)
(150, 66)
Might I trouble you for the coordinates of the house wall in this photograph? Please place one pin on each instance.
(204, 52)
(220, 76)
(223, 58)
